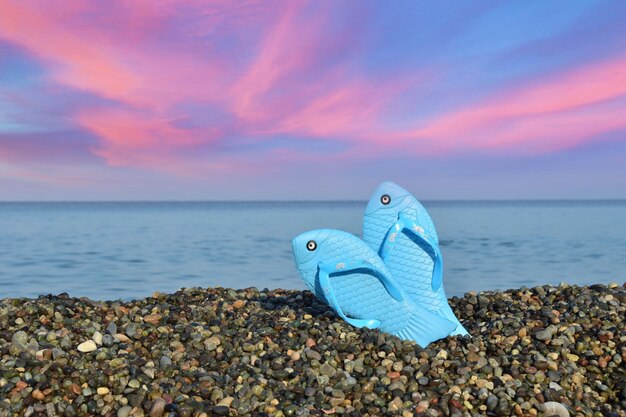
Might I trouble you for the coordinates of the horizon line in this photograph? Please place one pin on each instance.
(437, 200)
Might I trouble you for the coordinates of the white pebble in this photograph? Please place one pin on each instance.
(97, 337)
(88, 346)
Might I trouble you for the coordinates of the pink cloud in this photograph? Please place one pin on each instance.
(78, 60)
(140, 138)
(278, 55)
(275, 69)
(118, 58)
(555, 113)
(350, 109)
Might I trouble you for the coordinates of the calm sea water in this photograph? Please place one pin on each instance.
(130, 250)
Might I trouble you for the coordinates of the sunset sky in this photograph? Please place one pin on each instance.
(280, 100)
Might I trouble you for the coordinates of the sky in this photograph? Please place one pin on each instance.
(319, 100)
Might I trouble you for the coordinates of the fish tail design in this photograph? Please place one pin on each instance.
(446, 312)
(425, 327)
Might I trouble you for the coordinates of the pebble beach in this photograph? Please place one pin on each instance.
(201, 352)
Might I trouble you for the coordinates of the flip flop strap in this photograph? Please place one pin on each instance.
(325, 270)
(410, 226)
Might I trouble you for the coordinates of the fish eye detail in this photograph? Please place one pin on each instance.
(311, 245)
(385, 199)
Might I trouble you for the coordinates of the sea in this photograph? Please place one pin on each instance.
(128, 250)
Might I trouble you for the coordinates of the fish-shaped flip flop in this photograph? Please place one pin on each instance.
(402, 233)
(343, 271)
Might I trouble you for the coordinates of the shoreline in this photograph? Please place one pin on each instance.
(218, 351)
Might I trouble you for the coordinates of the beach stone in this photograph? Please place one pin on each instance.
(38, 395)
(227, 401)
(111, 329)
(212, 343)
(165, 361)
(131, 330)
(88, 346)
(312, 354)
(107, 340)
(97, 338)
(268, 362)
(395, 404)
(543, 335)
(149, 372)
(20, 337)
(553, 408)
(136, 399)
(121, 337)
(152, 319)
(422, 406)
(327, 370)
(124, 411)
(503, 408)
(221, 410)
(158, 407)
(281, 374)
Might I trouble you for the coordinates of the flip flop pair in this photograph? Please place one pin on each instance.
(392, 279)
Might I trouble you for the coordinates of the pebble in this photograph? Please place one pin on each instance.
(215, 351)
(212, 343)
(88, 346)
(124, 411)
(38, 395)
(221, 410)
(165, 361)
(312, 354)
(543, 335)
(111, 328)
(158, 407)
(97, 338)
(152, 319)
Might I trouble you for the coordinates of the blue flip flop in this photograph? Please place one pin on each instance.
(341, 270)
(403, 234)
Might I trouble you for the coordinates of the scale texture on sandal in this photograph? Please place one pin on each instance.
(344, 272)
(402, 233)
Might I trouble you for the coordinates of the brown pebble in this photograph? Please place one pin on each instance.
(456, 404)
(239, 304)
(310, 343)
(44, 354)
(122, 338)
(422, 406)
(153, 318)
(158, 407)
(38, 395)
